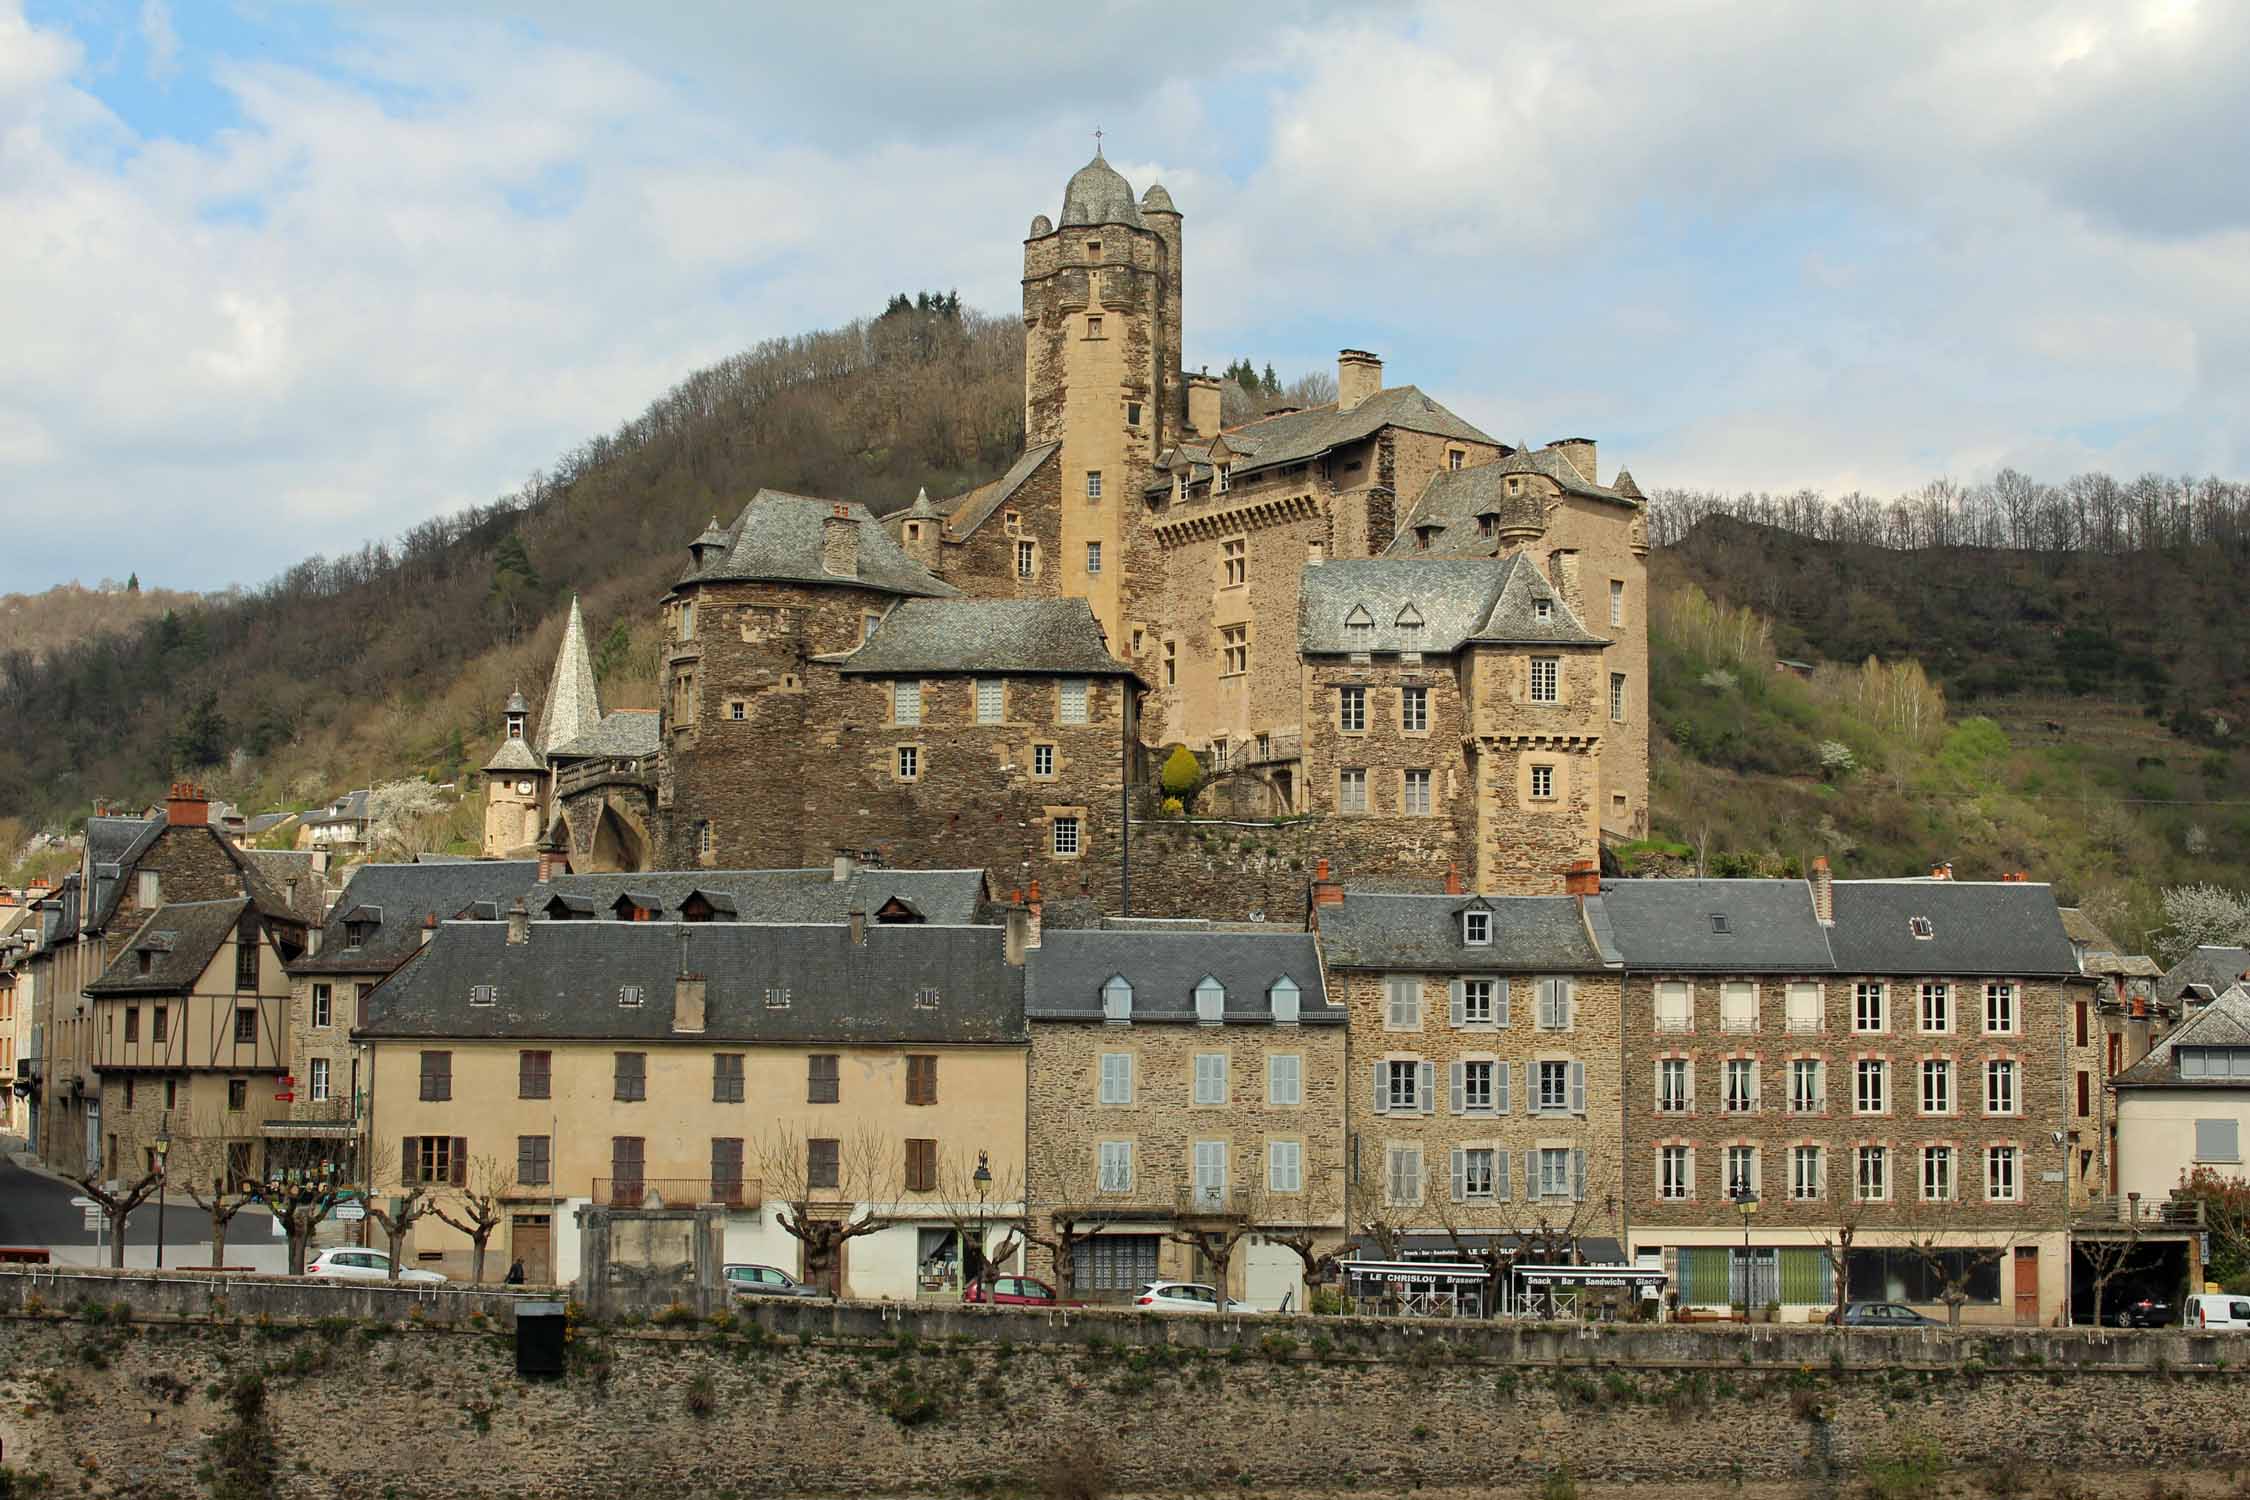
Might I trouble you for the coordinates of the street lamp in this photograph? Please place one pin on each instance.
(982, 1177)
(1745, 1199)
(163, 1181)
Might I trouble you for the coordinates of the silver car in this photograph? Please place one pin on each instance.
(765, 1281)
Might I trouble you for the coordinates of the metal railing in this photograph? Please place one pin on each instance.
(1738, 1024)
(1674, 1023)
(1260, 750)
(678, 1192)
(1192, 1202)
(1804, 1026)
(2164, 1213)
(1809, 1104)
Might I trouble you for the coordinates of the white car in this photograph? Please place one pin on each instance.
(1183, 1296)
(364, 1265)
(2206, 1310)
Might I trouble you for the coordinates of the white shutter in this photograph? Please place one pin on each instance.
(1578, 1088)
(1570, 1004)
(1531, 1176)
(1500, 1174)
(1500, 1003)
(1457, 1003)
(1500, 1093)
(1382, 1092)
(1459, 1075)
(1426, 1096)
(1460, 1172)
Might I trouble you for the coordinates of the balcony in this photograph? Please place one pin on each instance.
(1210, 1203)
(678, 1192)
(2168, 1213)
(1673, 1023)
(1804, 1026)
(1259, 750)
(1739, 1024)
(1742, 1107)
(1809, 1104)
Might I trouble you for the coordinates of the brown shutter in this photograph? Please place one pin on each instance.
(409, 1161)
(460, 1161)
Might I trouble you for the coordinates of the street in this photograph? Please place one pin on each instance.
(35, 1210)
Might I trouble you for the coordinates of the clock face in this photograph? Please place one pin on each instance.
(523, 788)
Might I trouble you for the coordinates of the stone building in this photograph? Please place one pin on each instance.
(1184, 1079)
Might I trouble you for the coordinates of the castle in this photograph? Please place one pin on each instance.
(1368, 611)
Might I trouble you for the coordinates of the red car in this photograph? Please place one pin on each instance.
(1016, 1291)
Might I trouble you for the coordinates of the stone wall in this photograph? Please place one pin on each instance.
(875, 1399)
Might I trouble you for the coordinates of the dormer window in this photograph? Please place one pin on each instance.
(356, 934)
(1476, 928)
(1285, 998)
(1542, 609)
(1210, 1001)
(1409, 624)
(1921, 928)
(1117, 1000)
(1222, 479)
(629, 996)
(1359, 625)
(148, 961)
(1720, 924)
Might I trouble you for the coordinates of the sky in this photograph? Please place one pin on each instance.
(280, 278)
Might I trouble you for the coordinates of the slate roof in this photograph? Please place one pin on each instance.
(402, 896)
(946, 898)
(1530, 934)
(778, 538)
(1666, 926)
(349, 808)
(183, 936)
(1298, 436)
(978, 506)
(515, 754)
(1098, 194)
(1454, 499)
(573, 707)
(2212, 966)
(266, 822)
(278, 867)
(2080, 928)
(627, 734)
(1014, 636)
(1458, 601)
(2225, 1022)
(2005, 929)
(112, 845)
(1064, 975)
(565, 981)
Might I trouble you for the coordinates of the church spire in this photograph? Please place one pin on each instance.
(572, 706)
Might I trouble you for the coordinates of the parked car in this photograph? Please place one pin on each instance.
(1183, 1296)
(1016, 1291)
(2207, 1310)
(365, 1265)
(2145, 1312)
(1882, 1315)
(766, 1281)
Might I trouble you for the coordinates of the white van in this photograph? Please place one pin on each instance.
(2207, 1310)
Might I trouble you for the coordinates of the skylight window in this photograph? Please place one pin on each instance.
(1921, 928)
(1720, 924)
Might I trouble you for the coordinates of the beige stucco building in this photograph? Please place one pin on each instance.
(2185, 1107)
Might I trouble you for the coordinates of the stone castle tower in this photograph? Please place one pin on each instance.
(1101, 313)
(515, 786)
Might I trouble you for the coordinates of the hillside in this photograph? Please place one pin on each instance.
(37, 625)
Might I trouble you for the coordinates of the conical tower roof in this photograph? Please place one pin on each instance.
(1098, 194)
(572, 707)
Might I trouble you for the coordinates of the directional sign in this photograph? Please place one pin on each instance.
(84, 1203)
(96, 1220)
(350, 1213)
(286, 1096)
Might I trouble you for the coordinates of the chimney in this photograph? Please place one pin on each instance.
(857, 919)
(839, 543)
(1823, 892)
(1583, 878)
(1562, 571)
(187, 806)
(1942, 870)
(1579, 454)
(1035, 917)
(429, 928)
(550, 864)
(519, 923)
(1326, 892)
(1453, 880)
(1203, 405)
(841, 867)
(687, 992)
(1359, 375)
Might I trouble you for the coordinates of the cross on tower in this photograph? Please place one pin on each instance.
(1097, 140)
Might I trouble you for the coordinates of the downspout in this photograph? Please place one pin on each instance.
(1126, 716)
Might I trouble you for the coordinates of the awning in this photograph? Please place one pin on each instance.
(312, 1130)
(1594, 1249)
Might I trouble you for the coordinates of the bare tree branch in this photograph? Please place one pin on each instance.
(830, 1191)
(481, 1202)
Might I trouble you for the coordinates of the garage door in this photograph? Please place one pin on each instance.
(1120, 1262)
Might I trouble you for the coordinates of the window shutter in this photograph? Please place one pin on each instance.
(1531, 1176)
(1570, 1003)
(1457, 1004)
(1460, 1173)
(1578, 1088)
(1500, 1002)
(1578, 1175)
(460, 1161)
(1458, 1072)
(409, 1161)
(1382, 1094)
(1500, 1099)
(1426, 1095)
(1500, 1175)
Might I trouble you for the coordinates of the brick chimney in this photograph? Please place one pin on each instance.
(1562, 570)
(1583, 878)
(519, 923)
(1035, 916)
(550, 864)
(429, 928)
(1359, 375)
(1823, 892)
(839, 543)
(1453, 880)
(1203, 405)
(1942, 870)
(1579, 454)
(1326, 892)
(1021, 933)
(186, 806)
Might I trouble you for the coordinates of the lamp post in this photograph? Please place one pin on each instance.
(983, 1179)
(1745, 1199)
(163, 1150)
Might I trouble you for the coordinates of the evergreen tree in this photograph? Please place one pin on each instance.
(132, 583)
(1271, 382)
(616, 649)
(201, 738)
(515, 582)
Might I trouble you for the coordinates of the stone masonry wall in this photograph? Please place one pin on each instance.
(1385, 839)
(860, 1399)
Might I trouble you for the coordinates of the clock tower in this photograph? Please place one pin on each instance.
(515, 788)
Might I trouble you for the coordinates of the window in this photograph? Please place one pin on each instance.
(2000, 1184)
(632, 1075)
(437, 1158)
(1556, 1178)
(1542, 609)
(1738, 1006)
(1675, 1173)
(246, 959)
(1285, 1000)
(1740, 1080)
(1937, 1174)
(1093, 557)
(1116, 1159)
(823, 1163)
(1869, 1008)
(1616, 601)
(1872, 1178)
(1999, 1087)
(1473, 1175)
(1171, 663)
(1674, 1094)
(823, 1083)
(1093, 485)
(738, 709)
(1210, 1078)
(320, 1080)
(1414, 793)
(1402, 1086)
(1093, 325)
(1351, 709)
(1351, 790)
(1804, 1008)
(726, 1168)
(1873, 1086)
(1222, 479)
(1937, 1008)
(906, 702)
(2216, 1140)
(921, 1166)
(1025, 552)
(150, 892)
(1117, 999)
(534, 1160)
(1210, 1173)
(629, 996)
(132, 1025)
(1617, 697)
(1555, 1086)
(1808, 1085)
(1066, 837)
(867, 625)
(1043, 761)
(1235, 562)
(1542, 782)
(1546, 675)
(437, 1076)
(1806, 1179)
(1404, 1009)
(909, 762)
(1285, 1084)
(1404, 1174)
(726, 1078)
(1414, 710)
(322, 1006)
(238, 1094)
(1554, 1013)
(1234, 650)
(1921, 928)
(1475, 1096)
(1937, 1087)
(1742, 1171)
(2085, 1093)
(1070, 700)
(921, 1078)
(2000, 1009)
(1285, 1167)
(1476, 1003)
(1674, 1006)
(482, 994)
(1453, 457)
(1132, 414)
(246, 1025)
(992, 700)
(534, 1075)
(1117, 1078)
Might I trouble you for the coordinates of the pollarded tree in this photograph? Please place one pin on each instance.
(480, 1203)
(829, 1192)
(118, 1201)
(203, 1167)
(1065, 1207)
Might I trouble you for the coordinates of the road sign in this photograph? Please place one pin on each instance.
(84, 1203)
(350, 1213)
(286, 1096)
(96, 1220)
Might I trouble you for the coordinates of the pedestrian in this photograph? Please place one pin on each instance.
(515, 1272)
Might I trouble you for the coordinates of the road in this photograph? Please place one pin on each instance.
(35, 1209)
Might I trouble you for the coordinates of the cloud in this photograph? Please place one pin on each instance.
(160, 40)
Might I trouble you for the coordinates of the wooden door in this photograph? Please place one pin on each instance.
(531, 1240)
(2027, 1284)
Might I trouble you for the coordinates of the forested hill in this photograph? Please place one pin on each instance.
(68, 613)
